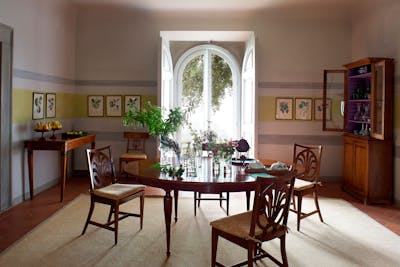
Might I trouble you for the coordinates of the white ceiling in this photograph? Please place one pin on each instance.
(223, 5)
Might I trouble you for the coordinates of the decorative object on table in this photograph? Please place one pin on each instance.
(41, 127)
(55, 126)
(113, 105)
(95, 106)
(303, 108)
(73, 134)
(50, 105)
(255, 167)
(318, 109)
(37, 106)
(171, 171)
(278, 168)
(283, 108)
(131, 100)
(151, 116)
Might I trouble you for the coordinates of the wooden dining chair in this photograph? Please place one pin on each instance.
(105, 189)
(265, 222)
(135, 151)
(307, 182)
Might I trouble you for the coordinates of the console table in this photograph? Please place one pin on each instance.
(59, 144)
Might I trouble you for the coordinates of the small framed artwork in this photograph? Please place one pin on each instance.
(303, 108)
(131, 100)
(283, 108)
(37, 106)
(50, 105)
(114, 105)
(318, 109)
(95, 106)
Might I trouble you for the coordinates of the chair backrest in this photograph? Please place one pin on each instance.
(271, 204)
(309, 157)
(135, 141)
(101, 167)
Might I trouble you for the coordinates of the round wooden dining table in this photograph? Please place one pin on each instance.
(205, 181)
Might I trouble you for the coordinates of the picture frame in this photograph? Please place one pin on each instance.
(283, 108)
(303, 108)
(95, 106)
(131, 100)
(318, 109)
(113, 105)
(38, 106)
(50, 105)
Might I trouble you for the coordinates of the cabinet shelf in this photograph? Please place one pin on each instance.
(360, 100)
(361, 76)
(359, 122)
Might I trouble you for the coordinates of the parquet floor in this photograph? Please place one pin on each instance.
(19, 220)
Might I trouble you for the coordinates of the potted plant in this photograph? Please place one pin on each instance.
(151, 117)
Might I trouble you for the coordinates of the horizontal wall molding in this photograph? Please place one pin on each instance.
(29, 75)
(291, 85)
(303, 139)
(136, 83)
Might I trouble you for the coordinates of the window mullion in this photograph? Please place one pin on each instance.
(207, 86)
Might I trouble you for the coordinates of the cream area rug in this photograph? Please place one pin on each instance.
(347, 238)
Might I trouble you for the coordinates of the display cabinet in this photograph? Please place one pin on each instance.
(364, 99)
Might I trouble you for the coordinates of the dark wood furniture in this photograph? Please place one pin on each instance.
(59, 144)
(204, 182)
(368, 126)
(135, 150)
(105, 189)
(265, 222)
(307, 182)
(197, 198)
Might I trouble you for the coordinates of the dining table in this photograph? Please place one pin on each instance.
(205, 180)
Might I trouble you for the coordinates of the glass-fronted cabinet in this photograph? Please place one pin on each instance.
(359, 102)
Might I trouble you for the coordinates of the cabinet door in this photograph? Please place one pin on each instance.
(360, 179)
(333, 102)
(348, 163)
(382, 100)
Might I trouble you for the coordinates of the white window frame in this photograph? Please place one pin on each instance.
(207, 50)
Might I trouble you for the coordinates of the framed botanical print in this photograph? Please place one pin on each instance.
(131, 100)
(318, 109)
(114, 105)
(37, 106)
(283, 108)
(303, 108)
(95, 106)
(50, 105)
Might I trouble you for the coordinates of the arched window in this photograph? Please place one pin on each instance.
(207, 85)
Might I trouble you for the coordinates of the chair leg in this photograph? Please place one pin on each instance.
(110, 214)
(299, 202)
(194, 199)
(198, 200)
(283, 251)
(214, 245)
(141, 210)
(116, 219)
(250, 251)
(317, 206)
(294, 202)
(227, 203)
(88, 217)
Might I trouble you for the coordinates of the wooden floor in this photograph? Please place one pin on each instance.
(19, 220)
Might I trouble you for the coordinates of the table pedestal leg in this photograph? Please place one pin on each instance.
(30, 169)
(63, 168)
(167, 215)
(176, 195)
